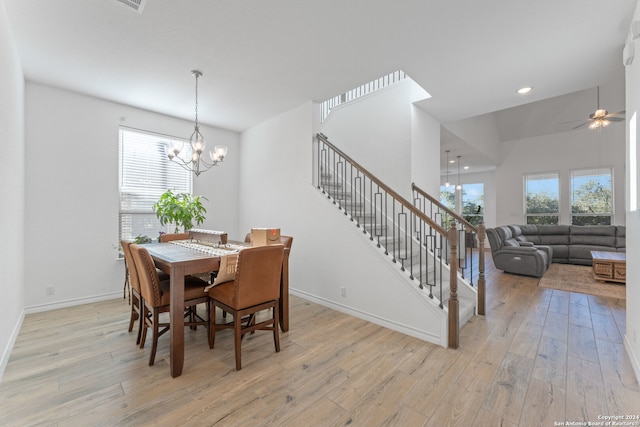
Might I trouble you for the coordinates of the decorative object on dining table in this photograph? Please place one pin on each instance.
(265, 236)
(226, 272)
(141, 239)
(212, 237)
(197, 163)
(180, 210)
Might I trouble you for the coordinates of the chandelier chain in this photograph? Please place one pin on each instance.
(197, 74)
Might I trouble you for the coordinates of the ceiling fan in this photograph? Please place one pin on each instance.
(601, 118)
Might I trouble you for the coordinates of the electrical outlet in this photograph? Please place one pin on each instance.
(343, 292)
(50, 290)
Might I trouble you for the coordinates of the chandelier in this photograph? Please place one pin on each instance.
(198, 162)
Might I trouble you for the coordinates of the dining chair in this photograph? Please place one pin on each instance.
(156, 298)
(169, 237)
(134, 282)
(172, 236)
(256, 287)
(287, 241)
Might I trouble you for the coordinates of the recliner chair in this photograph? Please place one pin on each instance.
(512, 256)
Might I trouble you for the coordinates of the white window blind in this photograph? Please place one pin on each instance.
(144, 174)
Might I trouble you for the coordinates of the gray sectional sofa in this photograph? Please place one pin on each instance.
(530, 249)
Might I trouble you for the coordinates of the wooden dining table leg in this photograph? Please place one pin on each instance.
(176, 330)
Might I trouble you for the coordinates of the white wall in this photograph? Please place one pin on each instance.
(561, 152)
(328, 251)
(632, 338)
(425, 151)
(376, 132)
(479, 132)
(71, 192)
(11, 191)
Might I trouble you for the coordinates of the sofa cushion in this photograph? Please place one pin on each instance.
(621, 233)
(560, 253)
(593, 235)
(504, 232)
(511, 242)
(584, 251)
(515, 230)
(526, 233)
(553, 234)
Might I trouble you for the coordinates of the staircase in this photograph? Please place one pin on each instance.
(424, 252)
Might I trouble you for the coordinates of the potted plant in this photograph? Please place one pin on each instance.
(180, 210)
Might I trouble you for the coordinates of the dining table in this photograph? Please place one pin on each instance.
(179, 261)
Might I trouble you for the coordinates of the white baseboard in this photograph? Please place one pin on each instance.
(633, 357)
(72, 302)
(407, 330)
(12, 341)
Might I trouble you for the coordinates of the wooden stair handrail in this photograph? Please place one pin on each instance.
(439, 204)
(480, 232)
(386, 188)
(451, 236)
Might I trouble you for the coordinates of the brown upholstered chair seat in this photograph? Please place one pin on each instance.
(193, 288)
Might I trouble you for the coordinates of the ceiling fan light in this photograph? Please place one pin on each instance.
(599, 123)
(600, 113)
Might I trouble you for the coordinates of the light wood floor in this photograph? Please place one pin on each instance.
(538, 357)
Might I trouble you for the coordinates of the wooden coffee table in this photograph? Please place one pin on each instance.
(609, 266)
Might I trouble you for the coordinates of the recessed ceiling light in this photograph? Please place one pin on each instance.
(524, 90)
(466, 167)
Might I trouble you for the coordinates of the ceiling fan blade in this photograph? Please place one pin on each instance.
(619, 113)
(615, 119)
(580, 125)
(570, 121)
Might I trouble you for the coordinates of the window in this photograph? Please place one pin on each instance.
(542, 199)
(448, 199)
(448, 196)
(473, 203)
(591, 197)
(144, 174)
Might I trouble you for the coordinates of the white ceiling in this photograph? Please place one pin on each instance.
(263, 57)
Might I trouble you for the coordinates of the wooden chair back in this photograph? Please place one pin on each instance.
(134, 281)
(147, 274)
(172, 236)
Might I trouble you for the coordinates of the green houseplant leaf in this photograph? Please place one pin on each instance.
(180, 210)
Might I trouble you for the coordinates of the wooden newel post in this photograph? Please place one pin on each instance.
(481, 282)
(454, 305)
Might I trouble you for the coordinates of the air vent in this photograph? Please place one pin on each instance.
(136, 5)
